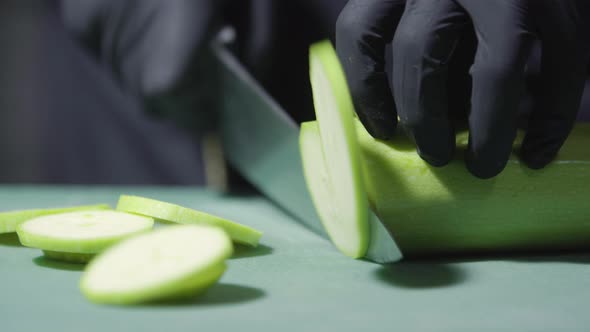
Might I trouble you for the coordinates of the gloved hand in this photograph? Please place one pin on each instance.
(154, 48)
(424, 34)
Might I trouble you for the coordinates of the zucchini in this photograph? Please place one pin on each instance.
(169, 212)
(176, 262)
(78, 236)
(429, 210)
(9, 220)
(338, 193)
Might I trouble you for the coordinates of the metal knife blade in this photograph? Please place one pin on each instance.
(262, 142)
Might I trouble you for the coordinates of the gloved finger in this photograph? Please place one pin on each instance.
(504, 43)
(565, 54)
(459, 80)
(363, 29)
(422, 47)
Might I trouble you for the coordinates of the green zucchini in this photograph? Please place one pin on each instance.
(446, 210)
(433, 211)
(9, 220)
(176, 262)
(78, 236)
(343, 209)
(178, 214)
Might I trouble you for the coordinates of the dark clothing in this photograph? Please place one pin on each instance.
(67, 118)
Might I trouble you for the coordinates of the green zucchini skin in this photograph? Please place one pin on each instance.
(433, 211)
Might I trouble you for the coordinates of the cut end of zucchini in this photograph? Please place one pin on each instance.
(83, 232)
(175, 262)
(331, 156)
(182, 215)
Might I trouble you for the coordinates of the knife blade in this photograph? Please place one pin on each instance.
(261, 141)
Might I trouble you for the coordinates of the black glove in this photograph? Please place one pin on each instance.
(154, 48)
(424, 34)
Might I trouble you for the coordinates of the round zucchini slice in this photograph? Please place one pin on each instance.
(340, 196)
(178, 214)
(78, 236)
(176, 262)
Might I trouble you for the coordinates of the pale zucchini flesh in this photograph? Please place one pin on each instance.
(175, 262)
(178, 214)
(77, 236)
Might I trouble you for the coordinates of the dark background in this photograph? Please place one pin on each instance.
(64, 119)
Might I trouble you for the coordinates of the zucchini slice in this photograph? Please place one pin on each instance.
(78, 236)
(9, 220)
(175, 262)
(337, 188)
(182, 215)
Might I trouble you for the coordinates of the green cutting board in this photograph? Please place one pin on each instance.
(295, 281)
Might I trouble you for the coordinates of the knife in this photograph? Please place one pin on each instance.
(261, 142)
